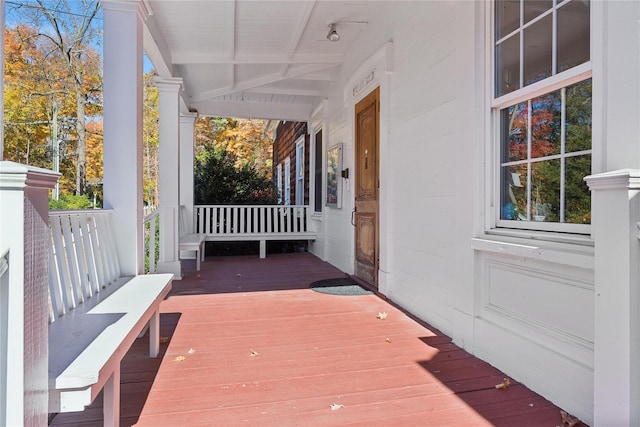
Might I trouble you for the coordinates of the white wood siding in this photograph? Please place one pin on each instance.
(503, 305)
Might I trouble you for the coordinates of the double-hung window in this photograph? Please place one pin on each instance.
(279, 182)
(542, 114)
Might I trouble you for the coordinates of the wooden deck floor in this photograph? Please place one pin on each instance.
(247, 343)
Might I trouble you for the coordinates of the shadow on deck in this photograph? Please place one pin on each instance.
(246, 342)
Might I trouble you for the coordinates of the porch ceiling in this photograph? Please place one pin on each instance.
(254, 58)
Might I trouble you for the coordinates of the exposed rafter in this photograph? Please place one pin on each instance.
(254, 83)
(297, 34)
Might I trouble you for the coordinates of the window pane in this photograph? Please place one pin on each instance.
(577, 194)
(573, 34)
(578, 117)
(545, 125)
(545, 191)
(514, 193)
(508, 65)
(507, 17)
(533, 8)
(538, 51)
(514, 132)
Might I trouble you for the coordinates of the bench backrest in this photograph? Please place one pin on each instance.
(184, 221)
(83, 259)
(231, 220)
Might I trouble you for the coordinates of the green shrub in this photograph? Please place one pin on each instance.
(69, 202)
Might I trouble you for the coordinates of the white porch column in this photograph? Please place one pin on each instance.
(615, 227)
(169, 176)
(24, 258)
(123, 127)
(187, 122)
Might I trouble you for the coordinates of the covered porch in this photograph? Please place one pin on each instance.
(538, 300)
(246, 341)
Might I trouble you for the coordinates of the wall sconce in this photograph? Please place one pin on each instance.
(333, 35)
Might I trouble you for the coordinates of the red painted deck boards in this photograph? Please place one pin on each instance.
(247, 343)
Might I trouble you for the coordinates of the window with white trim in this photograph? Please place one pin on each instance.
(300, 171)
(279, 182)
(542, 110)
(287, 181)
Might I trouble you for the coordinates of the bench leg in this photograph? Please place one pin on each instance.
(154, 335)
(111, 399)
(263, 249)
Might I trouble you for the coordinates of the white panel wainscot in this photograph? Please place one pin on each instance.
(535, 318)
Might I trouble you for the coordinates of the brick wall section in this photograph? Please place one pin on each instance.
(284, 146)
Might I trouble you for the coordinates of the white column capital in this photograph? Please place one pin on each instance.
(172, 84)
(140, 7)
(619, 179)
(16, 176)
(188, 118)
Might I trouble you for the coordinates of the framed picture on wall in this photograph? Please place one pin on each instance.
(334, 169)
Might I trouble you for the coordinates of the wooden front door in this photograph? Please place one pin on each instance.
(367, 129)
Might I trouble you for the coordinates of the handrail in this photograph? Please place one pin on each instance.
(224, 220)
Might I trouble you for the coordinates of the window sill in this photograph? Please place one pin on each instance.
(559, 248)
(316, 216)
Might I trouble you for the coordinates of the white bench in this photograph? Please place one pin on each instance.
(95, 314)
(190, 241)
(262, 223)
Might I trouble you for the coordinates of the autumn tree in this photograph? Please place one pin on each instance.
(66, 33)
(150, 140)
(27, 113)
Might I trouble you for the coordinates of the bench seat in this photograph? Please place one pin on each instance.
(95, 312)
(193, 242)
(87, 344)
(189, 241)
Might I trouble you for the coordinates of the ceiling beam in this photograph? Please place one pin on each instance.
(255, 110)
(254, 83)
(208, 58)
(298, 33)
(286, 91)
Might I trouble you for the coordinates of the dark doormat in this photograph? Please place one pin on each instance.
(339, 286)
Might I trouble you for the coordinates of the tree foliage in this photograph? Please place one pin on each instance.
(53, 80)
(151, 141)
(233, 162)
(219, 181)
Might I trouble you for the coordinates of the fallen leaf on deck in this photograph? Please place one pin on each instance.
(336, 406)
(164, 340)
(504, 384)
(179, 359)
(388, 340)
(568, 419)
(382, 315)
(253, 353)
(191, 350)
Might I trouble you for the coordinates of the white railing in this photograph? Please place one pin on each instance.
(237, 220)
(151, 226)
